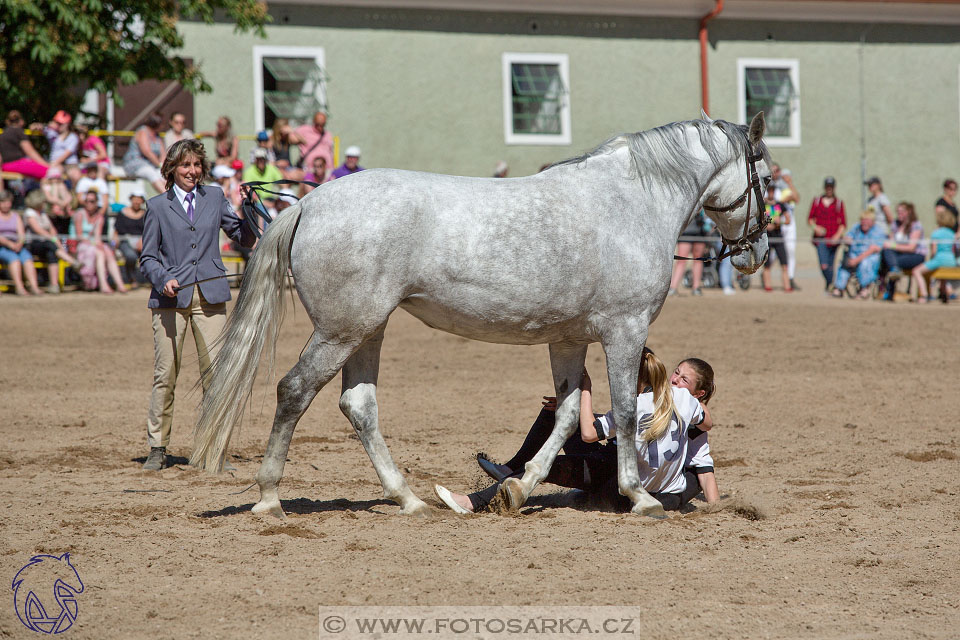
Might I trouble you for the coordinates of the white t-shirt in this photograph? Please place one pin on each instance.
(42, 218)
(99, 185)
(698, 452)
(661, 461)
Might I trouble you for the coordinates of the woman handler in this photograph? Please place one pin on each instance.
(180, 246)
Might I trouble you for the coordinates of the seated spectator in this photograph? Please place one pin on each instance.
(501, 170)
(64, 145)
(350, 164)
(226, 178)
(93, 151)
(91, 181)
(96, 258)
(263, 142)
(59, 199)
(145, 153)
(127, 232)
(17, 153)
(906, 250)
(864, 243)
(314, 140)
(317, 173)
(947, 201)
(13, 254)
(260, 170)
(941, 251)
(45, 245)
(225, 142)
(283, 139)
(178, 130)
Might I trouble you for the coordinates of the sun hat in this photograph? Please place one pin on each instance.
(223, 171)
(288, 196)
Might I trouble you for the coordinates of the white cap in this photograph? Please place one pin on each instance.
(259, 152)
(352, 151)
(288, 196)
(222, 171)
(138, 193)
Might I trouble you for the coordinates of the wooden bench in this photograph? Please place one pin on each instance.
(943, 274)
(10, 175)
(6, 284)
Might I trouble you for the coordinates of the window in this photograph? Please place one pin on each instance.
(536, 99)
(771, 86)
(289, 82)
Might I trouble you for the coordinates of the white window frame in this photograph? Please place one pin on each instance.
(272, 51)
(793, 66)
(562, 61)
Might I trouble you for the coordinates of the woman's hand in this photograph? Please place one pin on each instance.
(170, 288)
(549, 403)
(819, 231)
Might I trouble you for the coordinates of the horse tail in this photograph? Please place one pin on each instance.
(251, 332)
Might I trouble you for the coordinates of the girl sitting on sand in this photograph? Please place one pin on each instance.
(669, 419)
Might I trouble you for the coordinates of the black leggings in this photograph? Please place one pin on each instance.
(589, 466)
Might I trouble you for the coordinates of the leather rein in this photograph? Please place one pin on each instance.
(749, 234)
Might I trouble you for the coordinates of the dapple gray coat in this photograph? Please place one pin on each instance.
(579, 253)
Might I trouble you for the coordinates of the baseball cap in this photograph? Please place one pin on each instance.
(263, 136)
(829, 181)
(237, 165)
(873, 180)
(138, 193)
(352, 151)
(259, 153)
(62, 117)
(288, 196)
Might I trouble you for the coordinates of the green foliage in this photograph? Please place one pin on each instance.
(52, 51)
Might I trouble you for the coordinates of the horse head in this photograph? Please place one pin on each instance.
(734, 198)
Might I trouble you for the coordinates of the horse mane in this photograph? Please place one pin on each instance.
(663, 155)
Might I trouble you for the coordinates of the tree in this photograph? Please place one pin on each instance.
(52, 51)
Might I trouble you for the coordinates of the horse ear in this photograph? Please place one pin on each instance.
(705, 117)
(757, 127)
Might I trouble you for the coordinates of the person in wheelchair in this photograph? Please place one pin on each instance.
(862, 256)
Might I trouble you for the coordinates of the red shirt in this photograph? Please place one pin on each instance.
(830, 218)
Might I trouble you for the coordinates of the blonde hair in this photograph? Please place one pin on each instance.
(945, 217)
(654, 374)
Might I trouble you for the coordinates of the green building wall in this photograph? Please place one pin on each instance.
(423, 89)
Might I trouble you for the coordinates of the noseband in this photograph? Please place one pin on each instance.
(749, 234)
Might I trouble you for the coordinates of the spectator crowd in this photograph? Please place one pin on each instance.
(59, 209)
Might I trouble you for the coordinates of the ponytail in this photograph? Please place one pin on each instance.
(653, 373)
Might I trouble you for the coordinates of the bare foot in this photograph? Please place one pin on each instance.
(106, 291)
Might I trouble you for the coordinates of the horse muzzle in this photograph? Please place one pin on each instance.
(749, 261)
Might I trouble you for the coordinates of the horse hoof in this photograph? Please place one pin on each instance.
(654, 510)
(269, 509)
(419, 509)
(511, 491)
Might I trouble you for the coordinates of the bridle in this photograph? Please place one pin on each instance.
(763, 219)
(750, 234)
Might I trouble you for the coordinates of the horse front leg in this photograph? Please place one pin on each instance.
(623, 368)
(358, 401)
(566, 362)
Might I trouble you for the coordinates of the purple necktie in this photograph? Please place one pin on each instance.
(190, 206)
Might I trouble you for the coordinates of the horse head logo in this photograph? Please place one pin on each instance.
(45, 592)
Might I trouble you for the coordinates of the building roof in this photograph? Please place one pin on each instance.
(899, 11)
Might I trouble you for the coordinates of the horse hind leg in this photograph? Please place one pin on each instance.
(566, 362)
(358, 401)
(319, 363)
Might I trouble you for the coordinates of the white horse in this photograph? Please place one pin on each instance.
(579, 253)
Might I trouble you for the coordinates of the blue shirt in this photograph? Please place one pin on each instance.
(862, 240)
(941, 241)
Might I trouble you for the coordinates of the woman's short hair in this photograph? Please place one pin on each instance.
(35, 200)
(945, 217)
(5, 195)
(178, 153)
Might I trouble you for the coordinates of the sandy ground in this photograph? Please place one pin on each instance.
(836, 448)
